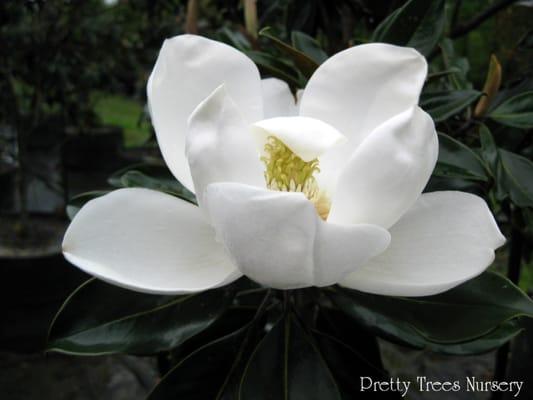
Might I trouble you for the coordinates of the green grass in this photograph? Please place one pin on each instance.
(125, 113)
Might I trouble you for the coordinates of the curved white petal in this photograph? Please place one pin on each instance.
(147, 241)
(360, 88)
(278, 240)
(445, 239)
(187, 70)
(387, 172)
(220, 146)
(308, 138)
(299, 95)
(278, 100)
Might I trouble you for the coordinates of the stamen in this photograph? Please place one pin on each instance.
(287, 172)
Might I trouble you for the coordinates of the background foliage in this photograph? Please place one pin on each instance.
(71, 68)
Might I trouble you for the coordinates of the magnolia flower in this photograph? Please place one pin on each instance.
(327, 191)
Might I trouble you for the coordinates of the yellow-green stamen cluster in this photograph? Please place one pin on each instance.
(287, 172)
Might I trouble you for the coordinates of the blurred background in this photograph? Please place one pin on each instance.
(73, 112)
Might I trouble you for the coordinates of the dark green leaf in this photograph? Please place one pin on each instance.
(211, 372)
(151, 176)
(99, 318)
(418, 24)
(276, 67)
(489, 151)
(388, 327)
(347, 368)
(304, 63)
(491, 341)
(516, 177)
(462, 314)
(77, 202)
(459, 79)
(337, 324)
(234, 38)
(443, 105)
(309, 46)
(351, 352)
(392, 330)
(440, 74)
(287, 365)
(458, 161)
(516, 111)
(524, 86)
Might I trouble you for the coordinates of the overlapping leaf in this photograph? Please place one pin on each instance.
(463, 314)
(516, 178)
(418, 24)
(99, 318)
(516, 111)
(151, 176)
(305, 63)
(442, 105)
(211, 372)
(458, 161)
(77, 202)
(287, 365)
(309, 46)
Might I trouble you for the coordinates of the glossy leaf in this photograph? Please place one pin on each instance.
(286, 365)
(404, 334)
(491, 341)
(443, 105)
(276, 67)
(489, 151)
(458, 80)
(335, 323)
(516, 111)
(211, 372)
(516, 178)
(440, 74)
(524, 86)
(348, 367)
(77, 202)
(151, 176)
(309, 46)
(304, 63)
(458, 161)
(462, 314)
(99, 318)
(418, 24)
(234, 38)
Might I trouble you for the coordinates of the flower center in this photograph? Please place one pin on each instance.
(287, 172)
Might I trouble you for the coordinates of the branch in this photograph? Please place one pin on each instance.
(455, 14)
(463, 29)
(191, 19)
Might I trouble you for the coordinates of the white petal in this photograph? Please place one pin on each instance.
(299, 95)
(445, 239)
(220, 146)
(387, 172)
(278, 100)
(360, 88)
(308, 138)
(187, 70)
(278, 240)
(147, 241)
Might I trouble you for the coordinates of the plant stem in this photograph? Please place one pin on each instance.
(191, 20)
(477, 20)
(250, 17)
(455, 14)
